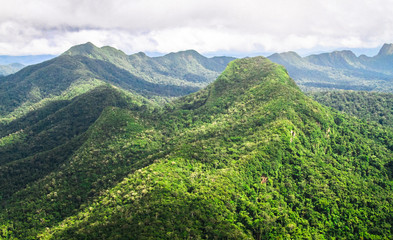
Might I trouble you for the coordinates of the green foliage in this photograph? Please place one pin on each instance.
(248, 157)
(186, 68)
(85, 67)
(36, 144)
(11, 139)
(370, 106)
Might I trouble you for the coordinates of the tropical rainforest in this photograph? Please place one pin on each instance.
(95, 144)
(369, 106)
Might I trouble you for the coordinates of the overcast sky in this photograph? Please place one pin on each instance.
(230, 27)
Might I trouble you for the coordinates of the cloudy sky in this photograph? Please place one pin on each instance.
(230, 27)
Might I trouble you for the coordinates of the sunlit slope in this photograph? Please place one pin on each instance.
(249, 157)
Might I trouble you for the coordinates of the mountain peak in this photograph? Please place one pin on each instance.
(386, 50)
(190, 52)
(344, 53)
(246, 73)
(106, 53)
(186, 53)
(82, 49)
(90, 50)
(141, 54)
(286, 58)
(286, 55)
(344, 59)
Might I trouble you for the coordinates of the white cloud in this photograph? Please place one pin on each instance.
(52, 26)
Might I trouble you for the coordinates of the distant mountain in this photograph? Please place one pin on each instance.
(186, 68)
(340, 59)
(10, 68)
(96, 144)
(85, 67)
(340, 70)
(248, 157)
(25, 60)
(386, 50)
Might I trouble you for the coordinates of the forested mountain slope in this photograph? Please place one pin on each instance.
(370, 106)
(39, 145)
(36, 144)
(85, 67)
(340, 70)
(186, 68)
(248, 157)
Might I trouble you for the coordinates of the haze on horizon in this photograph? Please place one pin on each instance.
(236, 28)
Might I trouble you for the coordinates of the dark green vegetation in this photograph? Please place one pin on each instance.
(370, 106)
(85, 67)
(248, 157)
(34, 145)
(10, 68)
(340, 70)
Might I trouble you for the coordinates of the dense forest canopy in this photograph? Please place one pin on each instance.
(248, 157)
(370, 106)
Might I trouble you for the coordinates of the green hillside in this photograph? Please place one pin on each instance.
(84, 67)
(66, 77)
(370, 106)
(39, 142)
(248, 157)
(185, 68)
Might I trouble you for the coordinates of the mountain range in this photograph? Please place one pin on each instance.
(327, 71)
(86, 66)
(340, 70)
(96, 144)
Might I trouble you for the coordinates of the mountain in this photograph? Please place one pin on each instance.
(340, 70)
(85, 67)
(45, 138)
(248, 157)
(186, 68)
(10, 68)
(386, 50)
(49, 110)
(339, 59)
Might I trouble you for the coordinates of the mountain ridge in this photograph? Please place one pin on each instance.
(250, 156)
(85, 66)
(340, 70)
(243, 164)
(90, 50)
(386, 50)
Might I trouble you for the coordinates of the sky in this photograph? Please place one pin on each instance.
(212, 27)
